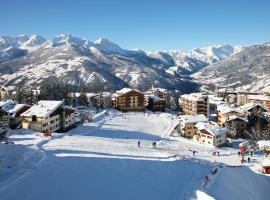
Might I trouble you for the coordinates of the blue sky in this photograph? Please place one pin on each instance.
(144, 24)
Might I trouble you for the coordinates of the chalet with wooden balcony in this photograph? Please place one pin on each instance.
(128, 100)
(48, 116)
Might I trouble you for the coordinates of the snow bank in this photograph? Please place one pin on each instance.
(240, 183)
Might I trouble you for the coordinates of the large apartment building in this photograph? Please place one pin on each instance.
(48, 116)
(242, 97)
(128, 100)
(262, 99)
(187, 124)
(195, 103)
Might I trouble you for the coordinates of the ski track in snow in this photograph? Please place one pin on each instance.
(101, 160)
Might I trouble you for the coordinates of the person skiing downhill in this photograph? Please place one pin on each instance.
(139, 143)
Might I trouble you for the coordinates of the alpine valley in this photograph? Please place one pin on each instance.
(103, 65)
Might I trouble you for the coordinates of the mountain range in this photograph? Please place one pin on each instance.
(103, 65)
(248, 70)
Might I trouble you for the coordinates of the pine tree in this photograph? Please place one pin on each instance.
(83, 100)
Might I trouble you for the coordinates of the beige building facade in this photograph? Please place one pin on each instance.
(195, 103)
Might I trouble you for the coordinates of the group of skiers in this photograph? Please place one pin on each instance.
(215, 153)
(243, 157)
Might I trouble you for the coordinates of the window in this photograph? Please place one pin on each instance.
(34, 118)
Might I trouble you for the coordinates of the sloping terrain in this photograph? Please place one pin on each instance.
(28, 60)
(246, 70)
(101, 160)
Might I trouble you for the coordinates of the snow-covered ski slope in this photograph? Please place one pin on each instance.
(101, 161)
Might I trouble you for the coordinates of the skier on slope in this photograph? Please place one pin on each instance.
(139, 143)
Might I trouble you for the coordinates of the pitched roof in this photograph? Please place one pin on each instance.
(223, 109)
(249, 106)
(194, 96)
(42, 109)
(233, 117)
(212, 129)
(259, 97)
(11, 107)
(124, 91)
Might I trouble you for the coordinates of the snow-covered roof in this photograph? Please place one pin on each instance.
(212, 129)
(194, 96)
(193, 118)
(247, 93)
(223, 109)
(249, 106)
(42, 108)
(155, 98)
(215, 100)
(106, 94)
(4, 104)
(259, 97)
(124, 91)
(11, 107)
(233, 117)
(266, 162)
(263, 144)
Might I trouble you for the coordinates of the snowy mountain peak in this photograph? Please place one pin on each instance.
(32, 41)
(108, 46)
(199, 58)
(66, 38)
(218, 52)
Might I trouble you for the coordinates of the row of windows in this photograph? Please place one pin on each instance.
(191, 127)
(218, 141)
(206, 136)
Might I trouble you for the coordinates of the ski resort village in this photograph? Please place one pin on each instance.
(131, 144)
(134, 100)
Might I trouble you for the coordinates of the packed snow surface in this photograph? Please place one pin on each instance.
(101, 160)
